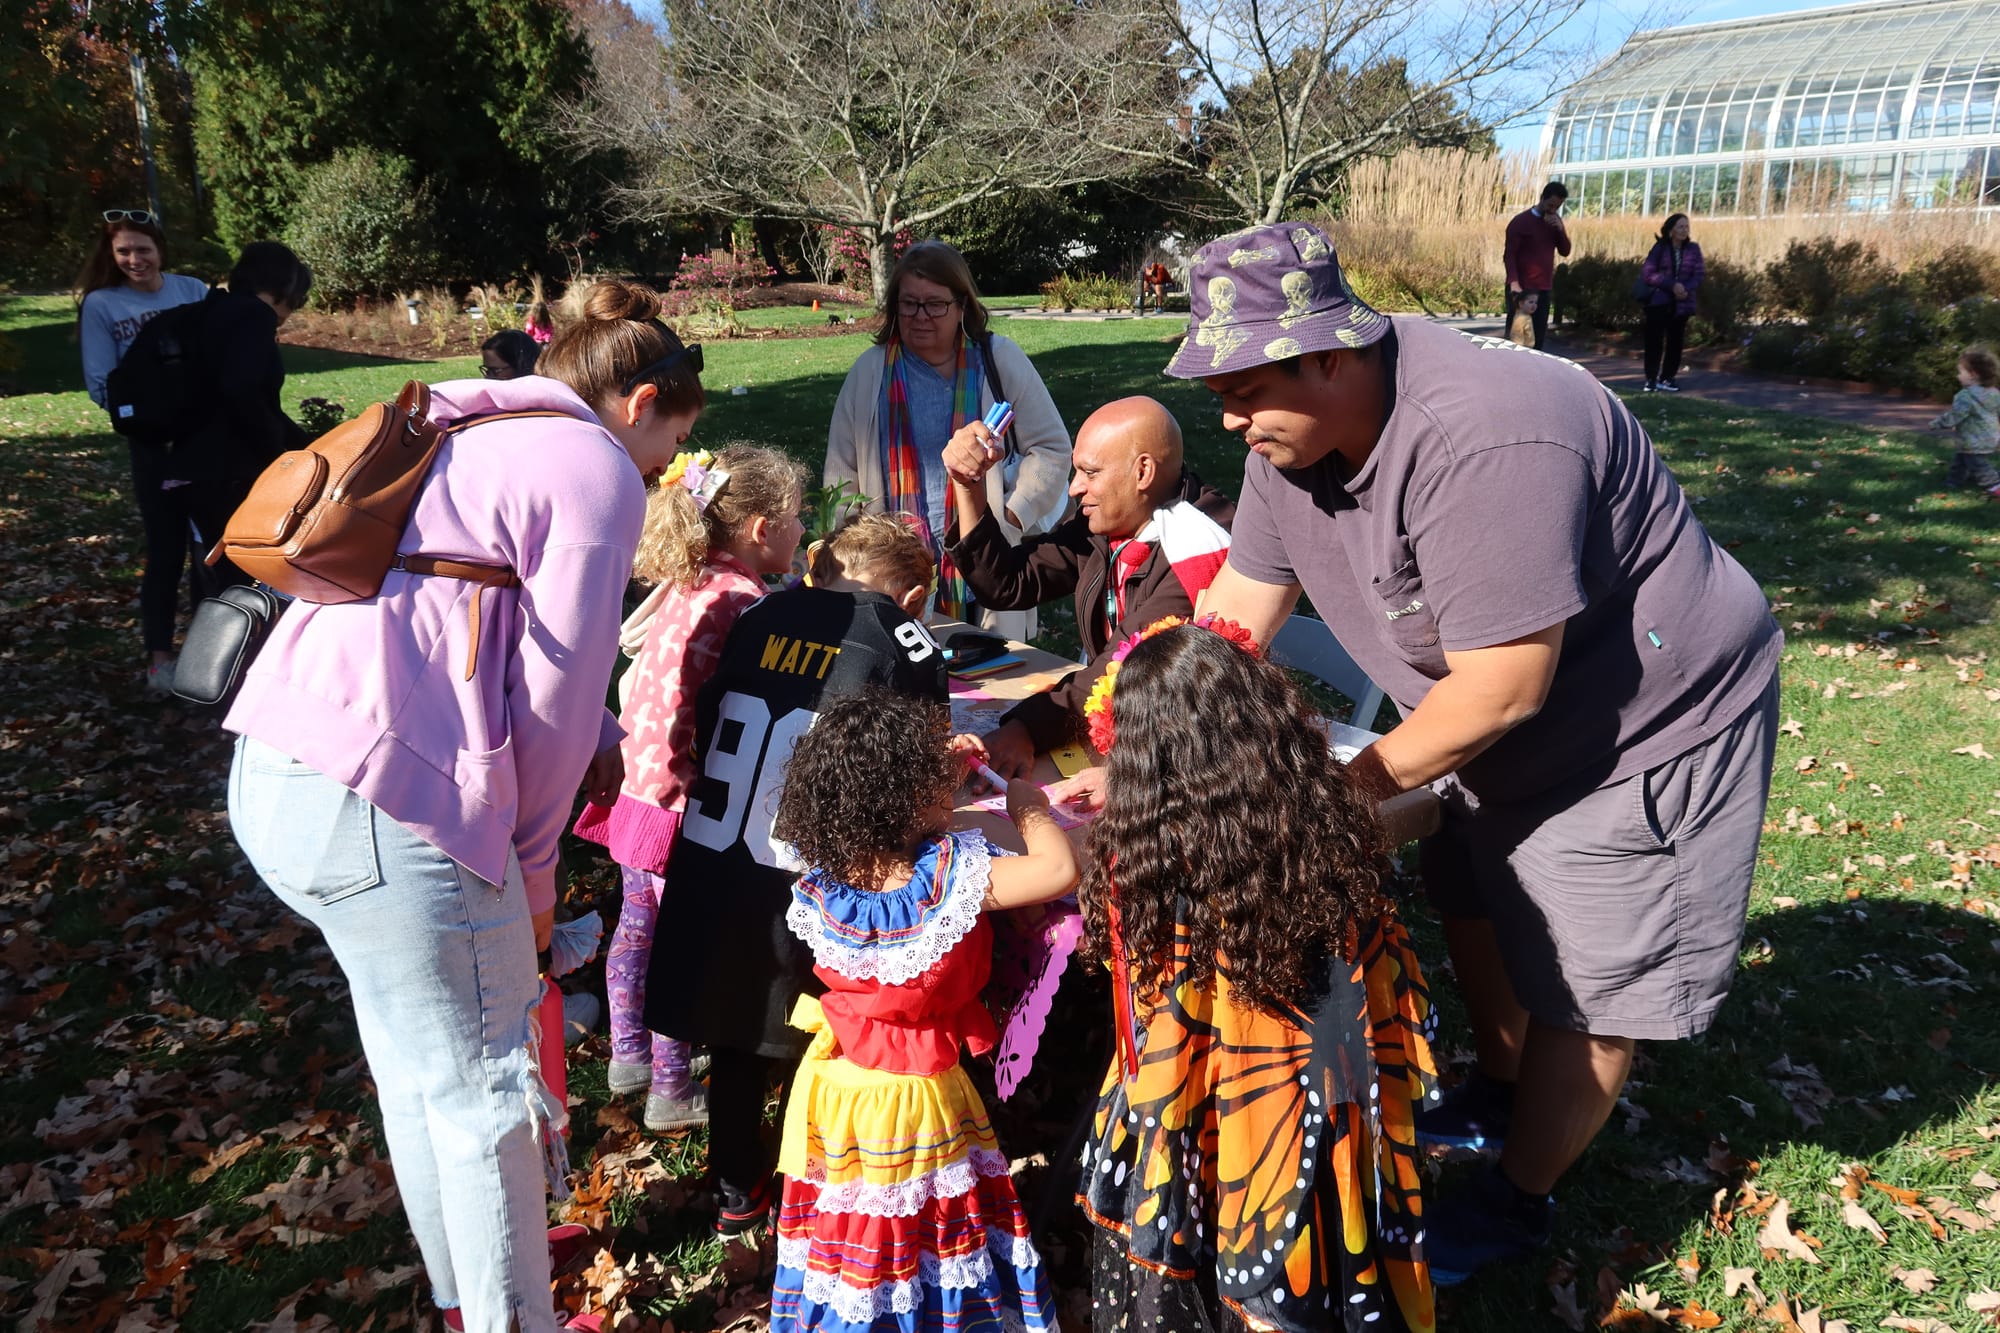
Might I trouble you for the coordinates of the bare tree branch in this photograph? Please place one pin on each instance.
(876, 115)
(1291, 91)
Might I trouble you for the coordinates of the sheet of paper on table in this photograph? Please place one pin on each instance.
(1067, 817)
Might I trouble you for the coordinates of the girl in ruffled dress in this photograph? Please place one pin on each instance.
(898, 1213)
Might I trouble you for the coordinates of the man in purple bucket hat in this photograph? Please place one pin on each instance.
(1588, 678)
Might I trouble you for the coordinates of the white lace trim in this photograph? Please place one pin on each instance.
(906, 1198)
(864, 1305)
(972, 869)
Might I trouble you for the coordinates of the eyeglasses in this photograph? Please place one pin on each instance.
(691, 353)
(487, 372)
(129, 215)
(910, 309)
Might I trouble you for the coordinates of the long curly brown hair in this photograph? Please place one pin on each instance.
(863, 785)
(1222, 791)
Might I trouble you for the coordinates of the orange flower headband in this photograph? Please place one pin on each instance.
(1097, 708)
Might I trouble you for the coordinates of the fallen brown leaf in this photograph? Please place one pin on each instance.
(1951, 1212)
(1854, 1215)
(1777, 1239)
(1692, 1315)
(1918, 1280)
(1909, 1325)
(1741, 1279)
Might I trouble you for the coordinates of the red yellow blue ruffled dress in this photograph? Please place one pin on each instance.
(898, 1213)
(1258, 1169)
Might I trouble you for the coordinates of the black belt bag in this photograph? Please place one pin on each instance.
(224, 635)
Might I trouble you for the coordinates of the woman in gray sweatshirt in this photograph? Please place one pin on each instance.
(122, 286)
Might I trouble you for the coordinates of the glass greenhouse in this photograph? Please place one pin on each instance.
(1861, 106)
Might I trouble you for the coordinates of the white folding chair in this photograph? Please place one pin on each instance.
(1305, 644)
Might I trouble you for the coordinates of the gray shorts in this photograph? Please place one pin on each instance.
(1619, 910)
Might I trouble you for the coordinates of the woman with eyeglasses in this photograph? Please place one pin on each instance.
(508, 355)
(408, 763)
(930, 377)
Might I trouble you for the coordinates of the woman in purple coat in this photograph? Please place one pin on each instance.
(1673, 271)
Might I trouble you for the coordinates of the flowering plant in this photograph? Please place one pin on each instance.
(1097, 708)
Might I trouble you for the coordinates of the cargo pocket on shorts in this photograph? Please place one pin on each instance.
(1666, 797)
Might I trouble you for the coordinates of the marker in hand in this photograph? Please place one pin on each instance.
(993, 779)
(998, 418)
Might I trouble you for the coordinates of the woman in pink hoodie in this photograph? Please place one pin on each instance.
(412, 814)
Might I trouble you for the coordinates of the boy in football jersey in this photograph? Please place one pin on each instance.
(725, 972)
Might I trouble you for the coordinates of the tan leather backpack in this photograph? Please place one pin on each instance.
(322, 523)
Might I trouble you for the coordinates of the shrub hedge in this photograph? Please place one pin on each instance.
(1825, 307)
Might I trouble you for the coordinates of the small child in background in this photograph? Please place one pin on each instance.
(713, 529)
(898, 1209)
(539, 325)
(1974, 417)
(733, 985)
(1253, 1161)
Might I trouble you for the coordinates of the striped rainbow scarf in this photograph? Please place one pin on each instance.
(903, 462)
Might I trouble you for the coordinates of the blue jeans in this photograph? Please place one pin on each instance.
(441, 966)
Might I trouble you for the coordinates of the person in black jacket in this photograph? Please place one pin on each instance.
(188, 486)
(1146, 539)
(248, 427)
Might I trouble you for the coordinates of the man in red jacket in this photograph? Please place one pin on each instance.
(1535, 236)
(1145, 541)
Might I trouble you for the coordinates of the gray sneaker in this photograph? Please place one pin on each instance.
(160, 678)
(664, 1114)
(621, 1077)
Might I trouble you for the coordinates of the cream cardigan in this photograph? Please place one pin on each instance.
(854, 453)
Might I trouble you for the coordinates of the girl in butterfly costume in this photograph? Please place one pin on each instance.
(1252, 1163)
(898, 1212)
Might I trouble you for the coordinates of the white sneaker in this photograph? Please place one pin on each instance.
(160, 678)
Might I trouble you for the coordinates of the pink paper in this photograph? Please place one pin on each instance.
(1031, 950)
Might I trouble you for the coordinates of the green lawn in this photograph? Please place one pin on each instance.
(186, 1124)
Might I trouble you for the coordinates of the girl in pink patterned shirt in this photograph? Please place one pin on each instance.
(713, 528)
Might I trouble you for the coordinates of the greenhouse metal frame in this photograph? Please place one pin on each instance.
(1858, 106)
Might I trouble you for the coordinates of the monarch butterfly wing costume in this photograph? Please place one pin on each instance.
(1272, 1152)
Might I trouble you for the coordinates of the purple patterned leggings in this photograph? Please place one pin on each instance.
(625, 986)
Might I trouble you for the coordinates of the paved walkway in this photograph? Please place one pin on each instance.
(1870, 411)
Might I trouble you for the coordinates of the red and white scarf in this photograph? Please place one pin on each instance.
(1194, 544)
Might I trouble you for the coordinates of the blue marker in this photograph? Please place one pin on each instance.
(999, 417)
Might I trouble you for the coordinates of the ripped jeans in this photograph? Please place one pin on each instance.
(441, 966)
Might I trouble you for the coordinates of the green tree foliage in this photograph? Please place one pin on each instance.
(69, 142)
(364, 220)
(459, 87)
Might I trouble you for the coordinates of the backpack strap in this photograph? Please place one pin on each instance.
(992, 371)
(485, 576)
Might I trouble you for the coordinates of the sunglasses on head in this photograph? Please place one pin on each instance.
(691, 353)
(130, 215)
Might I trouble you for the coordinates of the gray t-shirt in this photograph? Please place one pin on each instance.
(112, 317)
(1509, 492)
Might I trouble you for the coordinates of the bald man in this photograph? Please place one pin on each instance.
(1145, 541)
